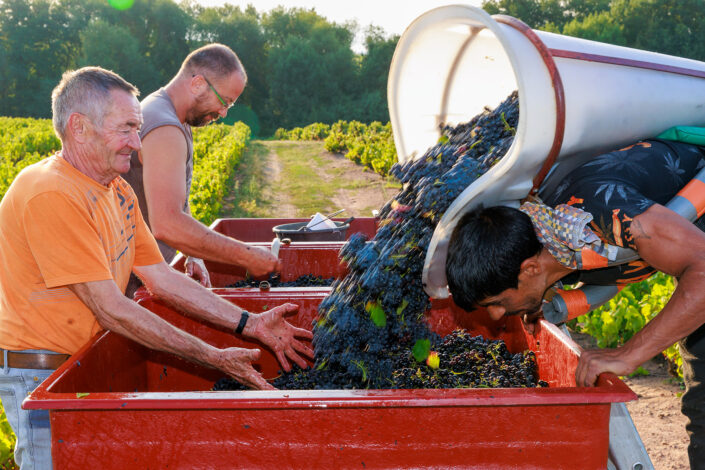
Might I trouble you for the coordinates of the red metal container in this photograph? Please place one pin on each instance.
(297, 259)
(260, 230)
(317, 258)
(118, 405)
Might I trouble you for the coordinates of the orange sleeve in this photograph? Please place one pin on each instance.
(146, 248)
(63, 240)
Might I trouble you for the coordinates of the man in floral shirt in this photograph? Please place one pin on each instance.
(503, 259)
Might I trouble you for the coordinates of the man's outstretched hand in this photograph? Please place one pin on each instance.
(236, 362)
(280, 336)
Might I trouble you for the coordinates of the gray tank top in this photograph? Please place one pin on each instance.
(158, 111)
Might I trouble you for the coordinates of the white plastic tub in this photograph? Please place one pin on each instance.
(577, 98)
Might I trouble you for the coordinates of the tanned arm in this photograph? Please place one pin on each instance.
(117, 313)
(670, 244)
(163, 157)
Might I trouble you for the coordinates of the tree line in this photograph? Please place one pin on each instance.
(301, 66)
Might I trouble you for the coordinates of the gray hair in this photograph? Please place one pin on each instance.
(86, 91)
(218, 59)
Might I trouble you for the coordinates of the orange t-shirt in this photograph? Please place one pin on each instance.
(60, 227)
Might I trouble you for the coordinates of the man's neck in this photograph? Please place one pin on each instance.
(553, 269)
(80, 160)
(178, 92)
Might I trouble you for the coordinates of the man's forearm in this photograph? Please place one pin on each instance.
(188, 297)
(683, 314)
(127, 318)
(193, 238)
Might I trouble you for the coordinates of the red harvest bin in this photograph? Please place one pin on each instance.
(260, 230)
(118, 405)
(297, 259)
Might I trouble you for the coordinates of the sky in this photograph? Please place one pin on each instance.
(391, 15)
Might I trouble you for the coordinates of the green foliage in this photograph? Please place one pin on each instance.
(421, 349)
(618, 320)
(315, 131)
(674, 27)
(23, 141)
(114, 48)
(217, 151)
(300, 66)
(371, 145)
(7, 443)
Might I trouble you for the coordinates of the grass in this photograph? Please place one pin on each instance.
(308, 181)
(247, 198)
(301, 166)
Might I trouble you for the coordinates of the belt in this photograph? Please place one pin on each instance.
(28, 360)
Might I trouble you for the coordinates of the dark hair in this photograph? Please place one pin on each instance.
(86, 91)
(485, 253)
(217, 59)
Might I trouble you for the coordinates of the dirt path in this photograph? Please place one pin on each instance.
(297, 179)
(273, 171)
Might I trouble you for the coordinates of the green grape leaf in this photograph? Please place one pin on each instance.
(421, 349)
(379, 318)
(403, 305)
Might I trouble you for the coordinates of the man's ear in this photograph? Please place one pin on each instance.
(530, 267)
(197, 84)
(77, 127)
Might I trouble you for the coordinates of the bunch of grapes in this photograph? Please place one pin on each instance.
(371, 325)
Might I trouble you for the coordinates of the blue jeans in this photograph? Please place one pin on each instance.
(33, 447)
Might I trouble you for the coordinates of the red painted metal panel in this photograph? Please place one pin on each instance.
(260, 230)
(149, 410)
(317, 258)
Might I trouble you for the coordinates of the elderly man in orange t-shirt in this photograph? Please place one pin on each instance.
(70, 234)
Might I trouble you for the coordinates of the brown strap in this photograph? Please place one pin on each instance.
(19, 360)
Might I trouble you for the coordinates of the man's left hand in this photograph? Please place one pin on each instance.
(195, 268)
(274, 331)
(593, 362)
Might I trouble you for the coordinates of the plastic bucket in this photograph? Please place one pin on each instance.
(577, 98)
(297, 232)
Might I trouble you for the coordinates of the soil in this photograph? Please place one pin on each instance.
(656, 413)
(371, 190)
(279, 200)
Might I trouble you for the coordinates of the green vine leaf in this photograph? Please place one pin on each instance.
(421, 349)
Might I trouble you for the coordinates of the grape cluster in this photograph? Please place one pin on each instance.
(274, 280)
(465, 361)
(373, 318)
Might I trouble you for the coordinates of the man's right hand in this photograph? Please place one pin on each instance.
(236, 362)
(262, 262)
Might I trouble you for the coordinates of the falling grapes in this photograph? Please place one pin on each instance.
(370, 331)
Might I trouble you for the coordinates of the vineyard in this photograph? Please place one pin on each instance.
(217, 152)
(371, 145)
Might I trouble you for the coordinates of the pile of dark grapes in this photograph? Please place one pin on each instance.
(371, 331)
(307, 280)
(465, 361)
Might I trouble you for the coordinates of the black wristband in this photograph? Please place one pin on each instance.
(243, 321)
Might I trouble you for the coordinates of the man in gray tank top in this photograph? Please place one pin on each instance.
(210, 80)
